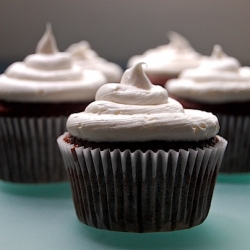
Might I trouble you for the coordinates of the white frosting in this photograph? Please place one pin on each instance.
(169, 59)
(87, 58)
(137, 110)
(49, 76)
(219, 79)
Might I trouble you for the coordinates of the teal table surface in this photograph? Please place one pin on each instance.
(42, 217)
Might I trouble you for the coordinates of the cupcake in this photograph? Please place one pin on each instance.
(36, 96)
(222, 86)
(87, 58)
(167, 61)
(139, 162)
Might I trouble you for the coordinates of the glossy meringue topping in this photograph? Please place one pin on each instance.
(218, 79)
(48, 76)
(171, 58)
(86, 58)
(137, 110)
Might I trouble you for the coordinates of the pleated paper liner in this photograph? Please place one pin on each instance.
(236, 129)
(142, 192)
(28, 150)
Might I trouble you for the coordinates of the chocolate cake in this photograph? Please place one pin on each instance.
(29, 109)
(142, 146)
(228, 108)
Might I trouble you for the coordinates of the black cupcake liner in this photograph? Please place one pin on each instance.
(28, 150)
(142, 192)
(236, 129)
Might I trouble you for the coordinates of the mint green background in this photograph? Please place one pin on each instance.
(43, 218)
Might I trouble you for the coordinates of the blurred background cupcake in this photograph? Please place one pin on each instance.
(86, 58)
(167, 61)
(222, 86)
(36, 96)
(138, 161)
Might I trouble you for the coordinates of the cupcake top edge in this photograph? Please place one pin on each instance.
(219, 79)
(137, 110)
(49, 76)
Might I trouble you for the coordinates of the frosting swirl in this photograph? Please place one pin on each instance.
(48, 76)
(87, 58)
(172, 58)
(218, 79)
(137, 110)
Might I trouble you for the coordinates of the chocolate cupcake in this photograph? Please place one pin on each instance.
(222, 86)
(36, 97)
(139, 162)
(167, 61)
(87, 58)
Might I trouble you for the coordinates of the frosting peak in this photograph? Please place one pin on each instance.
(219, 61)
(218, 52)
(178, 41)
(47, 44)
(135, 76)
(135, 88)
